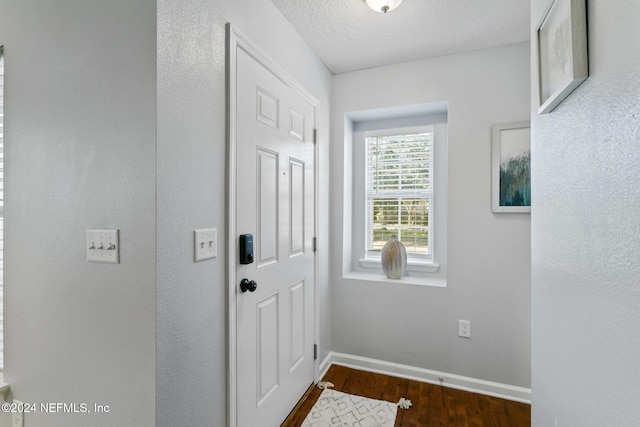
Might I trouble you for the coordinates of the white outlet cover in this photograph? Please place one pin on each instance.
(464, 328)
(103, 246)
(205, 244)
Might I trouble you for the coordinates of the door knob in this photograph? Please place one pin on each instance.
(248, 285)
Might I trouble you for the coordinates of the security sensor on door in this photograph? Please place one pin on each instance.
(246, 249)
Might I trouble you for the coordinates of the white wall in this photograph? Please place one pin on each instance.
(586, 234)
(80, 121)
(488, 254)
(107, 129)
(191, 317)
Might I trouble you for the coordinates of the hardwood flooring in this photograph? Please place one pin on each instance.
(433, 405)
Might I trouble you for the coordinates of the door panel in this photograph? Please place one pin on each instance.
(267, 110)
(296, 324)
(267, 207)
(274, 202)
(296, 125)
(296, 223)
(267, 336)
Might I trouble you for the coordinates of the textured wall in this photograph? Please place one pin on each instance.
(191, 316)
(488, 254)
(586, 234)
(80, 153)
(107, 129)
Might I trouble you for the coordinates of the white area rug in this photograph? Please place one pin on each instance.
(334, 408)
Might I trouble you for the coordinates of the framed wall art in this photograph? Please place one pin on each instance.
(511, 179)
(563, 62)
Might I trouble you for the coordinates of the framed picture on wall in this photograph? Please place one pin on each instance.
(562, 52)
(511, 179)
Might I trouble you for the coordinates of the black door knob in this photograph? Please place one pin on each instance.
(248, 285)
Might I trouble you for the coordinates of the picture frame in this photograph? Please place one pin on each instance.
(563, 62)
(511, 167)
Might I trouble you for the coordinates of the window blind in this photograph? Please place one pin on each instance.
(399, 186)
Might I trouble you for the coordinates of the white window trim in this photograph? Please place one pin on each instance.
(409, 279)
(373, 262)
(429, 272)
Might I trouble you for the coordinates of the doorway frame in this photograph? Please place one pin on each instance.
(236, 40)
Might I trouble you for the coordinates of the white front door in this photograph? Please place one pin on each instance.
(275, 204)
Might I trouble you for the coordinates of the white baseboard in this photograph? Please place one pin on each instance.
(325, 365)
(489, 388)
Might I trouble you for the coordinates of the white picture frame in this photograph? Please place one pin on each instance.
(563, 63)
(511, 167)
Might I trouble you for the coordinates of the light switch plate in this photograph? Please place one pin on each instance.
(205, 244)
(103, 246)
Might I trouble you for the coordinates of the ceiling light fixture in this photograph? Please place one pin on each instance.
(383, 6)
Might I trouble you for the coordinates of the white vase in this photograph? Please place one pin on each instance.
(394, 258)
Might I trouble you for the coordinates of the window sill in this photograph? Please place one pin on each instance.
(371, 276)
(412, 265)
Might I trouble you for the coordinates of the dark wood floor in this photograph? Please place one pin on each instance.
(433, 405)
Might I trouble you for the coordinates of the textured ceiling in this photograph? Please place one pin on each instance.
(348, 36)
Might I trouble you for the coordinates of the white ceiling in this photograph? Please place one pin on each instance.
(348, 36)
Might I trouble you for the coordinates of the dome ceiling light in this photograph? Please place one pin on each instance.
(383, 6)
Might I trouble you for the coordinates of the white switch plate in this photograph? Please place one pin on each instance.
(205, 243)
(103, 246)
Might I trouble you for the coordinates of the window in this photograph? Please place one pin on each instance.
(396, 182)
(399, 192)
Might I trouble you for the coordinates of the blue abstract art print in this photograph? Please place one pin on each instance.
(511, 179)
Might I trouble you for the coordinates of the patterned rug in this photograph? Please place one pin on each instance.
(334, 409)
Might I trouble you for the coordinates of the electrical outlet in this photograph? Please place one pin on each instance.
(205, 244)
(17, 418)
(464, 328)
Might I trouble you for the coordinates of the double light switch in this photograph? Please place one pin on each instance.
(205, 244)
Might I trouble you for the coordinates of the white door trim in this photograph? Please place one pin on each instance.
(235, 41)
